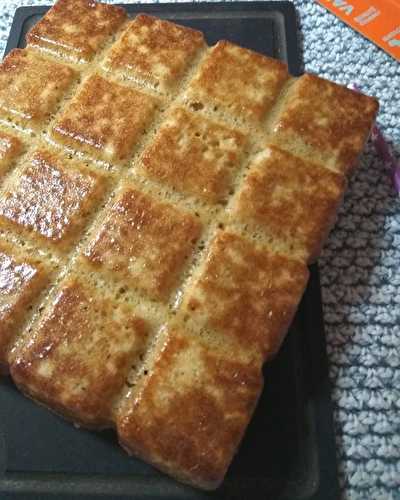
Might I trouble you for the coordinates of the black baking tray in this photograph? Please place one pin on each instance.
(288, 452)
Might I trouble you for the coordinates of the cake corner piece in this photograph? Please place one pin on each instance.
(218, 394)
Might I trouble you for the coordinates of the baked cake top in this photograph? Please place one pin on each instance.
(159, 205)
(105, 119)
(154, 51)
(30, 87)
(145, 241)
(51, 197)
(325, 121)
(245, 291)
(195, 156)
(291, 199)
(10, 148)
(238, 82)
(84, 347)
(76, 30)
(203, 399)
(21, 280)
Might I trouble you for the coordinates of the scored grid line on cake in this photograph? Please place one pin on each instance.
(204, 480)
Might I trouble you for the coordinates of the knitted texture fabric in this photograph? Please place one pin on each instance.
(360, 265)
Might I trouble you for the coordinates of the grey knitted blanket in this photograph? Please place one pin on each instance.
(360, 265)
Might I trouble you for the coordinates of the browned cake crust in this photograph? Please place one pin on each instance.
(50, 198)
(292, 200)
(156, 222)
(145, 242)
(21, 280)
(154, 51)
(195, 156)
(246, 292)
(10, 148)
(83, 348)
(105, 119)
(326, 122)
(190, 414)
(241, 82)
(30, 87)
(76, 30)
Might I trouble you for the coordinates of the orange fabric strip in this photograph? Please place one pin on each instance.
(378, 20)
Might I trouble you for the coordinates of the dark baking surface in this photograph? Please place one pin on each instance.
(288, 452)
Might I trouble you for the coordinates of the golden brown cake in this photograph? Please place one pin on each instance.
(105, 119)
(21, 280)
(160, 201)
(246, 291)
(145, 242)
(194, 155)
(31, 87)
(85, 344)
(50, 197)
(10, 148)
(76, 30)
(238, 82)
(155, 52)
(324, 121)
(190, 414)
(290, 200)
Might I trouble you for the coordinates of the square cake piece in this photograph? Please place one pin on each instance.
(238, 82)
(291, 199)
(325, 122)
(10, 148)
(245, 292)
(76, 30)
(51, 198)
(21, 280)
(154, 51)
(84, 346)
(30, 88)
(188, 416)
(105, 119)
(145, 242)
(194, 155)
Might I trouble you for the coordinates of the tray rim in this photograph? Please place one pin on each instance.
(86, 485)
